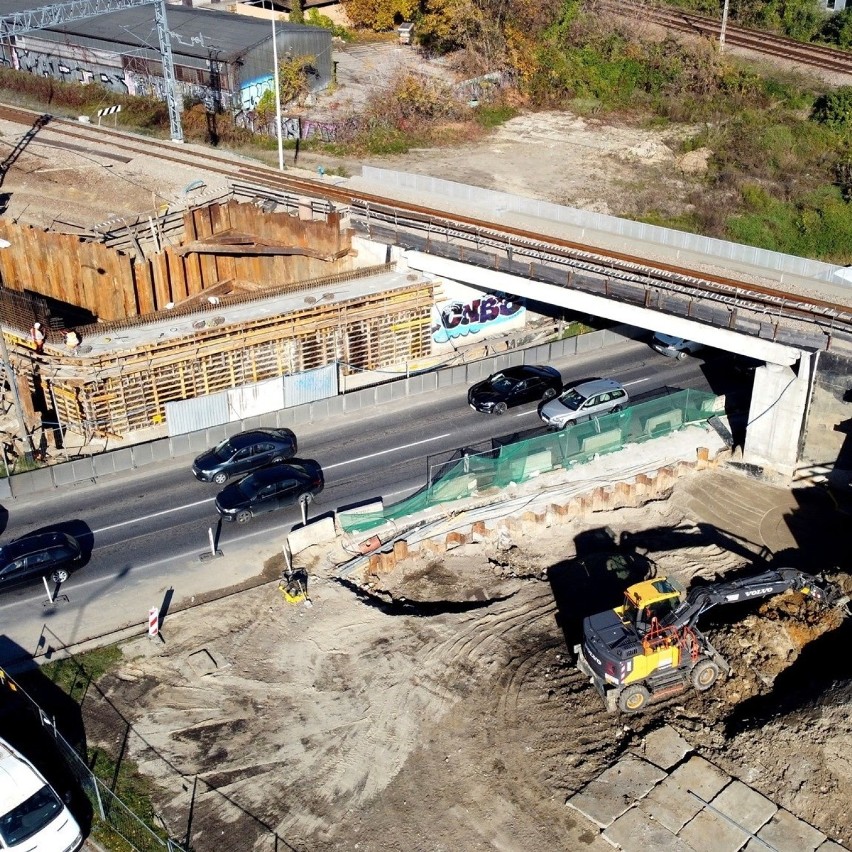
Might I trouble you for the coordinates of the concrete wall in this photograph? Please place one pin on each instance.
(585, 303)
(827, 440)
(776, 416)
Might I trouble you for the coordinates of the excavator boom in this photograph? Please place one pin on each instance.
(699, 599)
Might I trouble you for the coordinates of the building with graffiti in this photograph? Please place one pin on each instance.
(221, 59)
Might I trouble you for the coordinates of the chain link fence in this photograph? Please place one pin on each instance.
(160, 809)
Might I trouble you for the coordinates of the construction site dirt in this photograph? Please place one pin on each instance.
(438, 707)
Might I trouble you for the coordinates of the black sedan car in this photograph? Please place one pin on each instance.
(51, 554)
(269, 489)
(243, 453)
(514, 386)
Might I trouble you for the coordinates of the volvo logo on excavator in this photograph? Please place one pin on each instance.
(751, 593)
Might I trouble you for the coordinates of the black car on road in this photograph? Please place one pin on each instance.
(269, 489)
(514, 386)
(50, 554)
(241, 454)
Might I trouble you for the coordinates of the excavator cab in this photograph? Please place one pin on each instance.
(650, 602)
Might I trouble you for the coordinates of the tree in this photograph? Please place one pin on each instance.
(297, 12)
(380, 15)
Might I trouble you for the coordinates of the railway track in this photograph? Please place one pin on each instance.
(814, 55)
(370, 208)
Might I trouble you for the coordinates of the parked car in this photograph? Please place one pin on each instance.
(33, 817)
(581, 402)
(514, 386)
(269, 489)
(51, 554)
(674, 347)
(241, 454)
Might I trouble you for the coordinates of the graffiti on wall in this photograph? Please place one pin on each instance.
(488, 313)
(124, 81)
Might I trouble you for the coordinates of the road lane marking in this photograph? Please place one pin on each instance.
(385, 452)
(155, 515)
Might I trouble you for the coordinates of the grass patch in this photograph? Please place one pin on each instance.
(493, 115)
(73, 675)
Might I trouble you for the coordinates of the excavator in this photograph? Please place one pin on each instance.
(650, 648)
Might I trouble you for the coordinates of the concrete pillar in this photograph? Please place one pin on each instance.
(775, 418)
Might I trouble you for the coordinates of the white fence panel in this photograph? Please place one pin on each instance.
(260, 398)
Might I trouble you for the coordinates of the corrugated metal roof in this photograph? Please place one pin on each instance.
(194, 31)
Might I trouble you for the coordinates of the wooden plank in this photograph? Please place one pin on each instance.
(177, 275)
(160, 274)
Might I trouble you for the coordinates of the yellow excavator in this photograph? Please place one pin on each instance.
(650, 648)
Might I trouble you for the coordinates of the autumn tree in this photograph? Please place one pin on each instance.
(380, 15)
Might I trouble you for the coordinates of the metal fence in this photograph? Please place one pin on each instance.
(178, 813)
(110, 814)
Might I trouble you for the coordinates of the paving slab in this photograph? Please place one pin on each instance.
(744, 806)
(633, 830)
(734, 815)
(786, 833)
(831, 846)
(664, 747)
(615, 790)
(672, 803)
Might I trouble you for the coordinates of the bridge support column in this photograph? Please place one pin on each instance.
(776, 416)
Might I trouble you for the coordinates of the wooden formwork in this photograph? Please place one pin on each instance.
(230, 243)
(133, 387)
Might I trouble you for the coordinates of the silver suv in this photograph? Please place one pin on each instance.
(583, 401)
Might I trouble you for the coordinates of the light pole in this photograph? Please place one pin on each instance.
(724, 26)
(13, 385)
(277, 96)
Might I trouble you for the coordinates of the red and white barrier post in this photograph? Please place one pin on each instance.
(153, 622)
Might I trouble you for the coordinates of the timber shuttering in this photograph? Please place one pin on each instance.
(227, 256)
(132, 388)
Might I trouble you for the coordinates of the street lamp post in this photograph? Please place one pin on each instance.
(13, 385)
(724, 26)
(277, 96)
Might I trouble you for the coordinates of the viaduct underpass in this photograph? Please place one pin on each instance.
(782, 390)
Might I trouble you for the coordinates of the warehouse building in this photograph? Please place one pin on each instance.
(221, 59)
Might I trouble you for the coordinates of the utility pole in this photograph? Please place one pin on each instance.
(724, 26)
(23, 432)
(277, 96)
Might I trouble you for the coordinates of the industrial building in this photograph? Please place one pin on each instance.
(221, 59)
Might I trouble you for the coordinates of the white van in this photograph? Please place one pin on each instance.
(32, 816)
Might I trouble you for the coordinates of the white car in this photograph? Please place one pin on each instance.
(33, 817)
(674, 347)
(584, 401)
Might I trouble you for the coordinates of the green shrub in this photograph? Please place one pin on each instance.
(834, 109)
(315, 19)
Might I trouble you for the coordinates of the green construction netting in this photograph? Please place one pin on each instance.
(516, 462)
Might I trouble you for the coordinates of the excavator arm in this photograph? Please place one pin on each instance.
(699, 599)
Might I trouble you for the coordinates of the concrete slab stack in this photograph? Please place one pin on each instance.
(663, 794)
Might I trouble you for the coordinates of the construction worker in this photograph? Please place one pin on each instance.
(37, 337)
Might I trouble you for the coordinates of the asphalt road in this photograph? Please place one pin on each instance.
(152, 523)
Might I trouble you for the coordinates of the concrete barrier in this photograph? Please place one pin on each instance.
(608, 440)
(321, 531)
